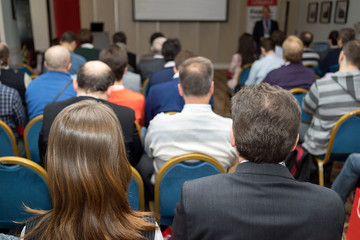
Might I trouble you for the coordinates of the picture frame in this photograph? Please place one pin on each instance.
(325, 12)
(312, 12)
(341, 12)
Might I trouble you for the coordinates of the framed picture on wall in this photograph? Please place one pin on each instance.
(341, 11)
(325, 12)
(312, 12)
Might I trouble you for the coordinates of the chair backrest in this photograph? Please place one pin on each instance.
(8, 145)
(334, 68)
(145, 86)
(23, 184)
(136, 192)
(244, 74)
(171, 177)
(345, 134)
(299, 94)
(22, 67)
(31, 139)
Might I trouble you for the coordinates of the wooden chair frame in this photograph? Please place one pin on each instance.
(26, 132)
(23, 65)
(11, 135)
(140, 184)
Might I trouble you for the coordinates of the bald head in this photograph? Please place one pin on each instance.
(4, 54)
(57, 58)
(157, 44)
(95, 76)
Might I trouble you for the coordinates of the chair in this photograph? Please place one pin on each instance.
(138, 128)
(8, 145)
(334, 68)
(344, 140)
(136, 191)
(31, 139)
(315, 69)
(299, 94)
(23, 184)
(145, 86)
(244, 74)
(22, 67)
(171, 113)
(171, 177)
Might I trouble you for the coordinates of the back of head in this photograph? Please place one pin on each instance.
(57, 58)
(195, 76)
(157, 44)
(306, 38)
(154, 36)
(268, 44)
(95, 76)
(119, 37)
(246, 48)
(293, 49)
(4, 54)
(266, 123)
(182, 56)
(68, 37)
(85, 36)
(170, 49)
(333, 36)
(346, 35)
(278, 37)
(116, 58)
(352, 52)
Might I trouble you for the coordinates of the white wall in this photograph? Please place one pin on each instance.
(40, 26)
(322, 30)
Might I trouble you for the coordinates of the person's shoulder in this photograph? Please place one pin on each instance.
(78, 57)
(119, 109)
(206, 183)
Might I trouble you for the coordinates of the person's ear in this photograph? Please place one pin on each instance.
(232, 137)
(181, 92)
(68, 67)
(108, 92)
(341, 57)
(75, 85)
(296, 142)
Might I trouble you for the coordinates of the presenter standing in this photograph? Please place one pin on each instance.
(264, 27)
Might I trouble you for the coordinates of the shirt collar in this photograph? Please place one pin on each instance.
(176, 75)
(169, 64)
(87, 45)
(158, 57)
(281, 163)
(197, 108)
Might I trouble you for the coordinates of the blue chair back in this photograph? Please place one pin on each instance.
(21, 186)
(136, 192)
(347, 137)
(8, 145)
(244, 74)
(170, 184)
(31, 139)
(299, 95)
(334, 68)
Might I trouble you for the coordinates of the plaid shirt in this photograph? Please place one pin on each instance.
(12, 111)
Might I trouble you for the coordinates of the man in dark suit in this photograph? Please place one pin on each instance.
(94, 81)
(261, 199)
(264, 27)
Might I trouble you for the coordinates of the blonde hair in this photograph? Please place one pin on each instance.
(293, 49)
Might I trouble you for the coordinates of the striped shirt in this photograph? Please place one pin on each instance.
(310, 57)
(328, 99)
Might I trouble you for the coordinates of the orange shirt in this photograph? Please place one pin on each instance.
(125, 97)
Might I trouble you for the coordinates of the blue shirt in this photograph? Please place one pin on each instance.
(42, 91)
(76, 62)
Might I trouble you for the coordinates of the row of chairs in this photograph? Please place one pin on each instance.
(25, 184)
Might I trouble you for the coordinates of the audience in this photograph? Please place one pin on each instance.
(309, 57)
(94, 82)
(292, 74)
(54, 85)
(120, 39)
(261, 199)
(245, 54)
(278, 37)
(9, 77)
(89, 175)
(332, 42)
(170, 49)
(150, 54)
(116, 59)
(87, 49)
(263, 66)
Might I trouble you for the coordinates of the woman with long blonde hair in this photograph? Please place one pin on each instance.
(89, 175)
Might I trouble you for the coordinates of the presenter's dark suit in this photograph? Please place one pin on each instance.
(257, 202)
(258, 31)
(125, 115)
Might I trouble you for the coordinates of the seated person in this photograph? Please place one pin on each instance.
(116, 59)
(87, 48)
(150, 54)
(89, 175)
(309, 57)
(120, 39)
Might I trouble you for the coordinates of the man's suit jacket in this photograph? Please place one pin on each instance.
(258, 202)
(258, 31)
(125, 115)
(148, 67)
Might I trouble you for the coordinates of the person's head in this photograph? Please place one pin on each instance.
(293, 49)
(170, 49)
(85, 36)
(345, 35)
(333, 37)
(57, 58)
(267, 45)
(278, 37)
(196, 78)
(266, 12)
(119, 37)
(266, 123)
(157, 45)
(182, 56)
(246, 48)
(4, 54)
(116, 58)
(154, 36)
(68, 40)
(94, 77)
(89, 175)
(306, 38)
(350, 54)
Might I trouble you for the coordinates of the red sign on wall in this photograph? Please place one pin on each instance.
(255, 3)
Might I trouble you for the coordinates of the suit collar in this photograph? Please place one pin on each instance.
(263, 169)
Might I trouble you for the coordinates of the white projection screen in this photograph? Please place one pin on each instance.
(180, 10)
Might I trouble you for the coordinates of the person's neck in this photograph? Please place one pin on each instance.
(197, 100)
(119, 82)
(269, 52)
(100, 95)
(58, 70)
(347, 67)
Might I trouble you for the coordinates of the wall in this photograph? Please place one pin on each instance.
(39, 19)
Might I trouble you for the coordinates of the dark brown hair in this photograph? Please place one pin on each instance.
(4, 54)
(352, 52)
(85, 36)
(95, 80)
(89, 176)
(182, 56)
(306, 38)
(246, 48)
(266, 123)
(116, 59)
